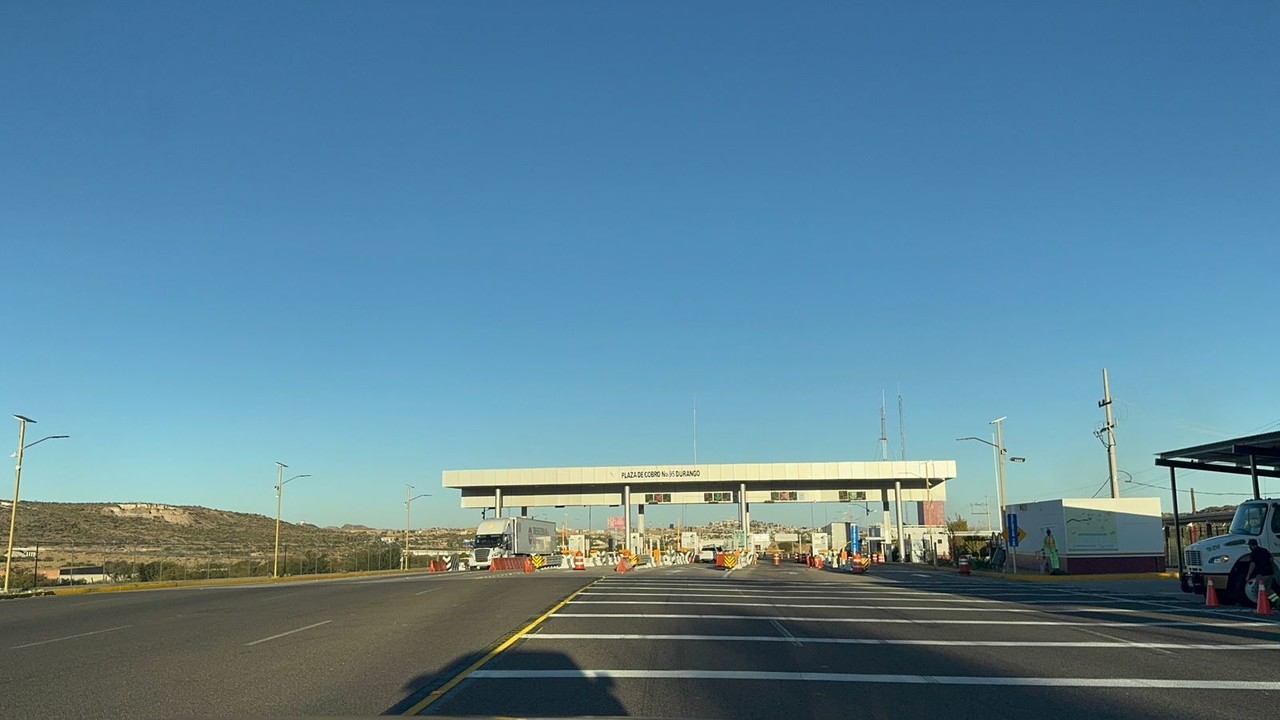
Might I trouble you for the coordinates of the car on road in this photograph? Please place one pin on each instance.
(708, 554)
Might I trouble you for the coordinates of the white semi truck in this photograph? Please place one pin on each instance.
(511, 537)
(1223, 561)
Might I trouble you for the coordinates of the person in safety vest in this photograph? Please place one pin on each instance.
(1050, 548)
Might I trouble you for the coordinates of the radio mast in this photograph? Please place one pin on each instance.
(884, 434)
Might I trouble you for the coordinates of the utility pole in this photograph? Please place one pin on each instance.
(1110, 430)
(1193, 501)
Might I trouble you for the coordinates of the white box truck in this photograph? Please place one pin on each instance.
(1223, 561)
(511, 537)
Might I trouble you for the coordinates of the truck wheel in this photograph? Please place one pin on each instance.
(1250, 598)
(1237, 588)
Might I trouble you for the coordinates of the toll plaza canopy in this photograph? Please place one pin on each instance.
(1253, 455)
(743, 484)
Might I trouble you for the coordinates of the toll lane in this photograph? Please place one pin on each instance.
(766, 642)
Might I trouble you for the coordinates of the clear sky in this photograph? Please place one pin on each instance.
(376, 241)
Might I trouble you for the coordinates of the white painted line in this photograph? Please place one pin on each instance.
(770, 596)
(1122, 640)
(896, 608)
(1118, 644)
(290, 632)
(843, 590)
(424, 592)
(70, 637)
(925, 621)
(953, 599)
(785, 634)
(1198, 685)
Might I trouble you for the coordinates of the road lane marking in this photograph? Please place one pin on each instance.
(741, 594)
(1123, 683)
(925, 621)
(1082, 644)
(70, 637)
(896, 608)
(930, 599)
(1019, 598)
(424, 592)
(440, 692)
(1122, 640)
(844, 590)
(786, 635)
(290, 632)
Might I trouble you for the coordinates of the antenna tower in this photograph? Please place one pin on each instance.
(884, 433)
(902, 428)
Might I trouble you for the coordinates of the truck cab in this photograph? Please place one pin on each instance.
(1223, 561)
(493, 540)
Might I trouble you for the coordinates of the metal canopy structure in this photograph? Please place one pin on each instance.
(740, 483)
(1253, 455)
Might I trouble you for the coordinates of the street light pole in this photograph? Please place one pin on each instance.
(17, 486)
(407, 500)
(1001, 500)
(13, 513)
(280, 483)
(1004, 508)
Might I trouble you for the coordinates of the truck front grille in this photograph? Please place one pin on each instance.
(482, 555)
(1193, 558)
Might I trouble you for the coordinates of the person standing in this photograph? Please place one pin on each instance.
(1050, 548)
(1260, 567)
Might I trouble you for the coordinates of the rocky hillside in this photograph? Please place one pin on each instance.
(154, 525)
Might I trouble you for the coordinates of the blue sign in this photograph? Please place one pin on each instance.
(855, 539)
(1011, 522)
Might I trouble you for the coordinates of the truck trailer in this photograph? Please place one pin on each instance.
(1223, 561)
(511, 537)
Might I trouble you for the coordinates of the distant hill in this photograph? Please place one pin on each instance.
(122, 526)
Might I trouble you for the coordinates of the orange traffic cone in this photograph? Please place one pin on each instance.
(623, 566)
(1264, 600)
(777, 559)
(1210, 596)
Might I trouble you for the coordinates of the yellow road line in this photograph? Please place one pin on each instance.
(440, 692)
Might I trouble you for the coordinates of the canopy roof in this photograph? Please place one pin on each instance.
(1235, 456)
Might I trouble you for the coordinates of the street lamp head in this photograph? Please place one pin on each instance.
(23, 418)
(999, 420)
(281, 464)
(1017, 459)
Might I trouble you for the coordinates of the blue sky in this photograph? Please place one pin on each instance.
(378, 241)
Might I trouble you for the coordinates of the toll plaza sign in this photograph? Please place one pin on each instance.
(663, 474)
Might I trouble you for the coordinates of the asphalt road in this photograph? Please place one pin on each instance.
(361, 646)
(683, 642)
(765, 642)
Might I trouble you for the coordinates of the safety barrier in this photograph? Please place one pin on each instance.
(859, 564)
(515, 563)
